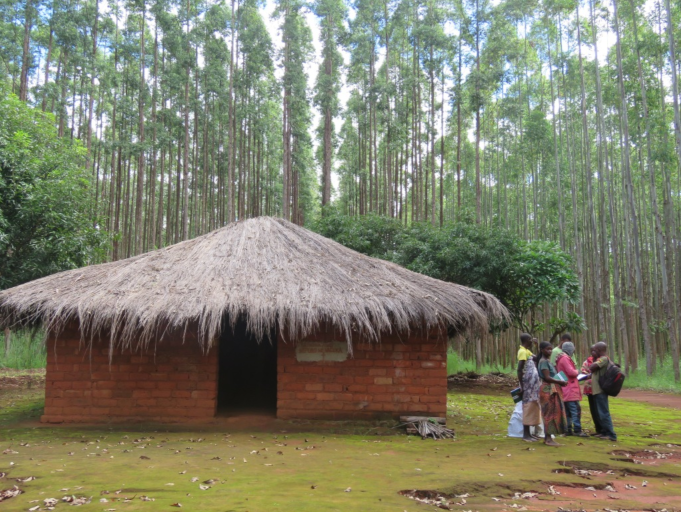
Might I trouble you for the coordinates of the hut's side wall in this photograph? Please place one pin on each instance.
(396, 377)
(177, 383)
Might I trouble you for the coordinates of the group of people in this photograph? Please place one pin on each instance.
(553, 403)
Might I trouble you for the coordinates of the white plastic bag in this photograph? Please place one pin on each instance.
(515, 424)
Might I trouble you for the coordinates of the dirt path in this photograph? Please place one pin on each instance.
(652, 397)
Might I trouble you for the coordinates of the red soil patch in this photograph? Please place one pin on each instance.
(647, 457)
(625, 489)
(670, 400)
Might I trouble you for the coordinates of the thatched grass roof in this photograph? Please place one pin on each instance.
(267, 271)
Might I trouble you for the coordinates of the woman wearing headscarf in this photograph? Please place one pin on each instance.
(529, 384)
(572, 394)
(552, 408)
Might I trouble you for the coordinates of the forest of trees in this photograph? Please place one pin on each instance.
(553, 119)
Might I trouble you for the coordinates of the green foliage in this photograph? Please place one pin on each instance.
(522, 275)
(373, 235)
(463, 253)
(541, 273)
(45, 200)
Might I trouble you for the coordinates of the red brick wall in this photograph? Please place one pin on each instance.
(178, 383)
(396, 377)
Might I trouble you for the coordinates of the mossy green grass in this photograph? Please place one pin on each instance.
(308, 466)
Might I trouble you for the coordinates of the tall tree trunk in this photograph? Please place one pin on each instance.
(458, 126)
(91, 96)
(8, 341)
(478, 188)
(674, 76)
(185, 161)
(139, 196)
(589, 185)
(633, 211)
(662, 245)
(26, 52)
(231, 124)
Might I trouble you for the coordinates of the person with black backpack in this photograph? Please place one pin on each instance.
(599, 368)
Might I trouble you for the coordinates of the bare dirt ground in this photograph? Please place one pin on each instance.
(670, 400)
(20, 379)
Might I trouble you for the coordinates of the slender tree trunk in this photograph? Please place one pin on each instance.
(458, 127)
(91, 96)
(662, 245)
(8, 341)
(478, 188)
(139, 196)
(633, 211)
(26, 52)
(674, 76)
(231, 124)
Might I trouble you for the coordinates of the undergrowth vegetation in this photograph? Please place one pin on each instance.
(456, 364)
(661, 380)
(26, 351)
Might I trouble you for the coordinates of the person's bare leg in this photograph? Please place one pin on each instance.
(526, 434)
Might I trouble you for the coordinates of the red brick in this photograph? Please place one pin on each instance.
(203, 394)
(357, 388)
(303, 396)
(382, 381)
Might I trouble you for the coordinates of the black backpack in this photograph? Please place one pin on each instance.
(612, 379)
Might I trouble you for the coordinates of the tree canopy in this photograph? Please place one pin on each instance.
(45, 197)
(525, 276)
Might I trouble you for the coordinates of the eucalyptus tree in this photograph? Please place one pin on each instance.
(297, 144)
(333, 16)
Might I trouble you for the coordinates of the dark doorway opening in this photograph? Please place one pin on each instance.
(247, 376)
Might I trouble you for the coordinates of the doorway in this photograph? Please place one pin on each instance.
(247, 376)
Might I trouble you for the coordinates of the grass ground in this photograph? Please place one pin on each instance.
(294, 466)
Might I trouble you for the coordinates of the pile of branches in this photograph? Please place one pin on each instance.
(497, 379)
(427, 427)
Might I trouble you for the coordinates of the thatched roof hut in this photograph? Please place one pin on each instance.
(118, 332)
(270, 272)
